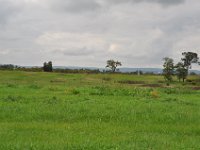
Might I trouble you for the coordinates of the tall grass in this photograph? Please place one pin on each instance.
(81, 111)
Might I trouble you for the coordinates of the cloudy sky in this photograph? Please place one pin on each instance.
(139, 33)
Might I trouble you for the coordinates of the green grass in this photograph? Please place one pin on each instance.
(48, 111)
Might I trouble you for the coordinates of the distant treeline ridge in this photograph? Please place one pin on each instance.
(65, 70)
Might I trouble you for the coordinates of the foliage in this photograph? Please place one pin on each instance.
(7, 67)
(47, 67)
(30, 69)
(89, 71)
(106, 79)
(113, 65)
(168, 69)
(189, 58)
(181, 71)
(154, 94)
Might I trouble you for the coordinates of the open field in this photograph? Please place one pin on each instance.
(49, 111)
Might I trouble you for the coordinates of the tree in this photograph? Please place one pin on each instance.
(113, 65)
(47, 67)
(50, 66)
(181, 71)
(168, 69)
(189, 58)
(7, 67)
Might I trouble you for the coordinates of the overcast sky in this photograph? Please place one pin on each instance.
(139, 33)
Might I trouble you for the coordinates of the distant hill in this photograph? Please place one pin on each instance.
(145, 70)
(123, 70)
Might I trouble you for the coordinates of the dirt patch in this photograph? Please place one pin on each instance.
(106, 79)
(196, 88)
(152, 85)
(58, 81)
(160, 81)
(131, 82)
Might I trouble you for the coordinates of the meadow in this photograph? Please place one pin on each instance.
(55, 111)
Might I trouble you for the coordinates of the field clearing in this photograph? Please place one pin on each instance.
(48, 111)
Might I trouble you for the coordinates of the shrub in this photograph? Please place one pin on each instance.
(189, 80)
(75, 92)
(131, 82)
(106, 79)
(12, 98)
(11, 85)
(53, 100)
(154, 94)
(34, 86)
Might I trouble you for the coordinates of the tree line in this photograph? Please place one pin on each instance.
(47, 67)
(181, 69)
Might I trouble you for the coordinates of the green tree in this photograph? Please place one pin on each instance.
(168, 69)
(47, 66)
(50, 66)
(181, 71)
(113, 65)
(189, 58)
(7, 67)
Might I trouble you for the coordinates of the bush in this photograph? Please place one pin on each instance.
(154, 94)
(189, 80)
(12, 98)
(131, 82)
(106, 79)
(75, 92)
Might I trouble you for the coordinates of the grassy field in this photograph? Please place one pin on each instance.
(52, 111)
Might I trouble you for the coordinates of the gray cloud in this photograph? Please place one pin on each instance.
(168, 2)
(84, 51)
(7, 10)
(81, 6)
(75, 6)
(162, 2)
(138, 33)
